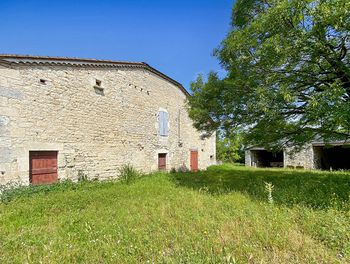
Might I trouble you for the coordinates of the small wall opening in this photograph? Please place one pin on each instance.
(332, 158)
(162, 161)
(267, 159)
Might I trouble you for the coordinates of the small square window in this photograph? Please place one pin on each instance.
(43, 81)
(98, 87)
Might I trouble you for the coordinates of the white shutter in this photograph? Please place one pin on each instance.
(165, 124)
(161, 123)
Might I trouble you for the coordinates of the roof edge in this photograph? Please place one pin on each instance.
(10, 59)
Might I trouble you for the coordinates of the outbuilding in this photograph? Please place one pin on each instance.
(317, 155)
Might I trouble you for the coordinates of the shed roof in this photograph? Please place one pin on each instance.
(14, 59)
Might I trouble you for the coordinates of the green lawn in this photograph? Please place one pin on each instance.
(218, 216)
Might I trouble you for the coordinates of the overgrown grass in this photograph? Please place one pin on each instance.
(218, 216)
(15, 191)
(316, 189)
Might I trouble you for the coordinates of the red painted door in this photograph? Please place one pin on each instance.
(194, 160)
(162, 161)
(43, 167)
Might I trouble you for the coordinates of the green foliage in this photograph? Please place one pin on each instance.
(288, 75)
(269, 189)
(220, 215)
(11, 191)
(229, 148)
(82, 176)
(314, 189)
(128, 174)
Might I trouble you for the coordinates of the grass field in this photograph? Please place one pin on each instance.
(221, 215)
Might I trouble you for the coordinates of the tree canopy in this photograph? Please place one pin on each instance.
(229, 148)
(288, 74)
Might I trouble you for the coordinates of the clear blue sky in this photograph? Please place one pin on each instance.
(176, 37)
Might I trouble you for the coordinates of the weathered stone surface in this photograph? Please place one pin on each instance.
(5, 155)
(10, 93)
(4, 120)
(302, 159)
(94, 133)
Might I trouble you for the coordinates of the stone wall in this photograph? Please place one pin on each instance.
(303, 159)
(248, 158)
(94, 134)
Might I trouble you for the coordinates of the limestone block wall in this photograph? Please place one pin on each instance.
(94, 133)
(302, 159)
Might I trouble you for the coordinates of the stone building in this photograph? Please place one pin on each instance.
(61, 118)
(317, 155)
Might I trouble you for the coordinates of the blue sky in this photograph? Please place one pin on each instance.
(176, 37)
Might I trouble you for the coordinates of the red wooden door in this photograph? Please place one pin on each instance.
(43, 167)
(162, 161)
(194, 160)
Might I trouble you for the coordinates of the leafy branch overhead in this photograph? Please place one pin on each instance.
(288, 74)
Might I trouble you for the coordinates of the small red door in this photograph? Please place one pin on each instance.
(43, 167)
(194, 160)
(162, 161)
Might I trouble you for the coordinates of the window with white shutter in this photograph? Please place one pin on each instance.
(163, 123)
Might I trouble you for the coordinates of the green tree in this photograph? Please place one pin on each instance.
(288, 75)
(229, 148)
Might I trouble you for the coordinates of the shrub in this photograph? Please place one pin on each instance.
(82, 176)
(127, 173)
(7, 190)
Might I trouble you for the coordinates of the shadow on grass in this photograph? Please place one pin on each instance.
(291, 187)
